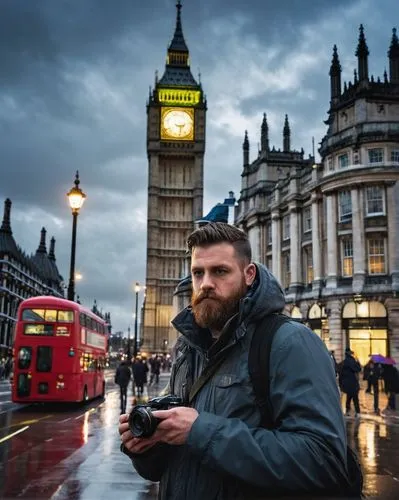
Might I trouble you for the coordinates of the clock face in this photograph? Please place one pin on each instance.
(177, 124)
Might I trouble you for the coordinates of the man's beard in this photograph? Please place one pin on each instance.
(213, 312)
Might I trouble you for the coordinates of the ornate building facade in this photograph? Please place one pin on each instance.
(176, 114)
(23, 276)
(330, 231)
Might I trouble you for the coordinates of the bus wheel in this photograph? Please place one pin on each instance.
(85, 395)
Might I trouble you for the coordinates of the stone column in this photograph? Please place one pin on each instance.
(358, 235)
(392, 208)
(332, 240)
(316, 240)
(295, 250)
(276, 242)
(392, 305)
(337, 341)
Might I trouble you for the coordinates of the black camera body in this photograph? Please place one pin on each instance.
(142, 422)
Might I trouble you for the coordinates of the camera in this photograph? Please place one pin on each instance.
(142, 422)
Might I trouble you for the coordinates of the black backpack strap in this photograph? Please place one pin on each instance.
(259, 364)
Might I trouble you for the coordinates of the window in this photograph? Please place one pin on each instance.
(347, 257)
(308, 265)
(44, 359)
(345, 206)
(343, 160)
(376, 155)
(395, 155)
(376, 256)
(307, 219)
(286, 227)
(269, 233)
(286, 270)
(330, 164)
(375, 200)
(24, 358)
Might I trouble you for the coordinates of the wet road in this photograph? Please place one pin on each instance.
(73, 453)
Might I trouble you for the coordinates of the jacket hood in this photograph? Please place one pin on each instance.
(265, 296)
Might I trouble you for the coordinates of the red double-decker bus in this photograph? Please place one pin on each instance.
(60, 350)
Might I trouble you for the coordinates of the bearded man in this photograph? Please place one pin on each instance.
(215, 447)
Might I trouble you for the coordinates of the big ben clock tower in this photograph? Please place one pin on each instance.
(175, 146)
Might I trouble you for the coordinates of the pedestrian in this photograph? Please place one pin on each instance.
(349, 381)
(390, 375)
(373, 379)
(122, 378)
(140, 370)
(155, 368)
(217, 448)
(334, 361)
(366, 375)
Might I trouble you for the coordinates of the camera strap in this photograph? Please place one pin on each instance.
(206, 375)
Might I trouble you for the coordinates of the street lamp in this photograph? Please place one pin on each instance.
(136, 289)
(76, 198)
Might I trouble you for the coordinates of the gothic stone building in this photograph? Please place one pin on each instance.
(330, 231)
(175, 146)
(23, 276)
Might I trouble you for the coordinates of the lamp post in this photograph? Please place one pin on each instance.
(76, 198)
(128, 350)
(136, 289)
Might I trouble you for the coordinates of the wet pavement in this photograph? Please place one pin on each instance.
(73, 452)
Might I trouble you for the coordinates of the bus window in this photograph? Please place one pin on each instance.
(50, 315)
(39, 329)
(44, 359)
(33, 315)
(24, 358)
(65, 316)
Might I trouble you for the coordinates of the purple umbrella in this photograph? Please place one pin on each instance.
(378, 358)
(389, 361)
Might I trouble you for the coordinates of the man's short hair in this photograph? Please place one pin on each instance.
(220, 232)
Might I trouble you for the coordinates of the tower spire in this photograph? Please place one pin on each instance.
(245, 149)
(6, 225)
(178, 50)
(264, 136)
(51, 254)
(362, 53)
(393, 55)
(335, 75)
(286, 135)
(42, 247)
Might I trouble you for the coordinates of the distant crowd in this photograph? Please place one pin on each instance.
(379, 373)
(137, 371)
(5, 367)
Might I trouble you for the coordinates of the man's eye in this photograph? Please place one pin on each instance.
(197, 273)
(220, 272)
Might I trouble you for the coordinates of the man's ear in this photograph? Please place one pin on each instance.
(250, 274)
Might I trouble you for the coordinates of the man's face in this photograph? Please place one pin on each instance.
(219, 280)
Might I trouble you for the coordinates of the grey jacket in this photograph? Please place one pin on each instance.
(227, 455)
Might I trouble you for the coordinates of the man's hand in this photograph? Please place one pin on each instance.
(132, 444)
(175, 424)
(173, 428)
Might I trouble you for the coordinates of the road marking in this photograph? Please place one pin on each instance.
(6, 401)
(83, 414)
(14, 434)
(35, 420)
(4, 393)
(65, 420)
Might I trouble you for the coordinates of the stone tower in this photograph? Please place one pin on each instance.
(176, 113)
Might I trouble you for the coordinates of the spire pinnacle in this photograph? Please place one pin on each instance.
(178, 43)
(264, 136)
(362, 53)
(246, 141)
(51, 254)
(335, 68)
(42, 247)
(286, 135)
(6, 225)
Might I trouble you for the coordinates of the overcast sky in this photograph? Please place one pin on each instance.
(74, 80)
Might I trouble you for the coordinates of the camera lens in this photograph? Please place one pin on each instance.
(142, 423)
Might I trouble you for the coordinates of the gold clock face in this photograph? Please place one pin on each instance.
(177, 123)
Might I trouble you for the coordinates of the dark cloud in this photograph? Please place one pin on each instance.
(73, 87)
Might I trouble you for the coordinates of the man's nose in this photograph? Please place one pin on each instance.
(207, 282)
